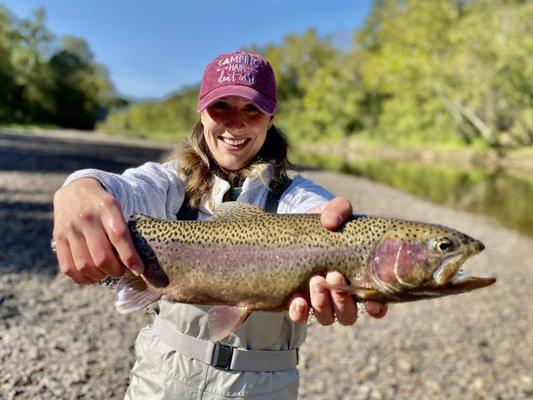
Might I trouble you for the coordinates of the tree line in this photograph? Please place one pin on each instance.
(458, 72)
(443, 71)
(49, 80)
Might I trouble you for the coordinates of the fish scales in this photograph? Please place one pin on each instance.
(222, 262)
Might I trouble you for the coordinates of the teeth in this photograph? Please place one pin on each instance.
(233, 142)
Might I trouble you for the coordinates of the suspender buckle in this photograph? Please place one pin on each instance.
(222, 356)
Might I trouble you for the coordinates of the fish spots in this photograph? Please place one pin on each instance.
(228, 258)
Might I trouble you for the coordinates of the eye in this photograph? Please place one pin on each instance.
(443, 245)
(219, 106)
(250, 109)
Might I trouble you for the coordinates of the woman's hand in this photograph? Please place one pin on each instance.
(91, 236)
(328, 304)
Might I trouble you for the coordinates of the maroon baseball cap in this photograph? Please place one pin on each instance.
(239, 73)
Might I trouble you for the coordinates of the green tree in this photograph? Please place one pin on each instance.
(453, 71)
(172, 117)
(9, 91)
(44, 79)
(405, 67)
(490, 73)
(450, 70)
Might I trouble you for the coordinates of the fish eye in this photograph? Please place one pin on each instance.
(443, 245)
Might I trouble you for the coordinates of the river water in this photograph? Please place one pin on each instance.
(502, 195)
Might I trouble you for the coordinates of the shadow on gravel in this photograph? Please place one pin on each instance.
(25, 240)
(26, 225)
(28, 153)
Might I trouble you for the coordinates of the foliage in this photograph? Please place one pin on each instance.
(438, 71)
(48, 80)
(172, 117)
(455, 72)
(452, 70)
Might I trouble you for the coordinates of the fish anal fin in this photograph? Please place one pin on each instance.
(361, 292)
(133, 294)
(223, 320)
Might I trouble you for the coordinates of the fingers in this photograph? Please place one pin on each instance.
(67, 266)
(82, 258)
(376, 310)
(335, 213)
(117, 230)
(101, 252)
(329, 305)
(91, 235)
(298, 309)
(343, 305)
(320, 301)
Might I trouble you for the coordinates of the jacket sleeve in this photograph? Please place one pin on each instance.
(153, 189)
(303, 195)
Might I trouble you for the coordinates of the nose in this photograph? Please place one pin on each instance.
(234, 119)
(480, 246)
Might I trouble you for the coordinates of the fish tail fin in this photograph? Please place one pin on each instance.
(223, 320)
(133, 294)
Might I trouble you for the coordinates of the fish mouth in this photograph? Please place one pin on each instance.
(450, 278)
(462, 282)
(448, 268)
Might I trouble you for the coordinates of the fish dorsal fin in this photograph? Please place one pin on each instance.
(223, 320)
(133, 294)
(232, 210)
(362, 293)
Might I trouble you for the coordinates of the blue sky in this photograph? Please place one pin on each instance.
(152, 48)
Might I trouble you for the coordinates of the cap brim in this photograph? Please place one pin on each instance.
(264, 104)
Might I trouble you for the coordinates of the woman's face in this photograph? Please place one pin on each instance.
(234, 130)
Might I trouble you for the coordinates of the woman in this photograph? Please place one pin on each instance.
(234, 153)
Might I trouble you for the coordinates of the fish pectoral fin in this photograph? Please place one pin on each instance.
(223, 320)
(133, 294)
(361, 292)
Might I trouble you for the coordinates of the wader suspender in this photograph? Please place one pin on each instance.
(217, 354)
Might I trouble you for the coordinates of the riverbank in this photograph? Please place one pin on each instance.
(63, 341)
(516, 160)
(520, 160)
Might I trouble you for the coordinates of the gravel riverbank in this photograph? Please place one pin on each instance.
(62, 341)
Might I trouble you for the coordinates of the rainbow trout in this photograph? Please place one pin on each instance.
(245, 259)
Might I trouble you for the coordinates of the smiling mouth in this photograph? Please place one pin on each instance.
(233, 144)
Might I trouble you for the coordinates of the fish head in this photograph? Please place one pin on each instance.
(413, 261)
